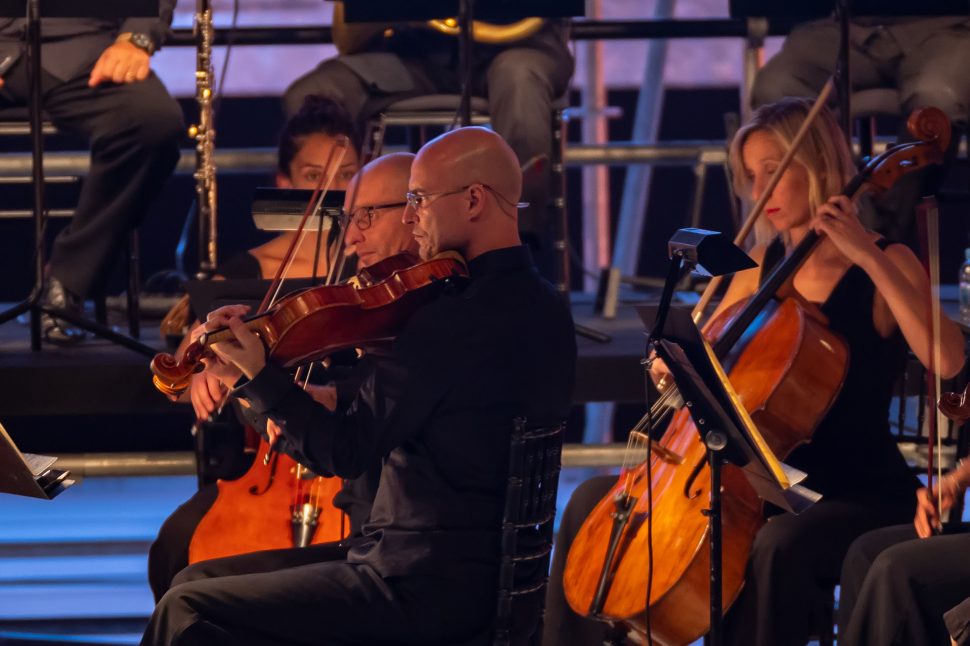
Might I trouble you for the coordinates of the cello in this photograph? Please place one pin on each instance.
(787, 368)
(250, 512)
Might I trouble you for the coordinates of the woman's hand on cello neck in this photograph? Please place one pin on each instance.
(838, 219)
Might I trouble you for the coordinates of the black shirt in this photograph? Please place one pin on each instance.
(439, 411)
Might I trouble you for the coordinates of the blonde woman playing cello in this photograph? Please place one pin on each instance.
(873, 293)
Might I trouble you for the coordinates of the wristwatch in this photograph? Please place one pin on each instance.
(139, 40)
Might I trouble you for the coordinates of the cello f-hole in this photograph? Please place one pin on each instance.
(692, 477)
(255, 491)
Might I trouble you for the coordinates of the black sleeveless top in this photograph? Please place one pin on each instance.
(852, 449)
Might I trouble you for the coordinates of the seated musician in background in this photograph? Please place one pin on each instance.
(923, 58)
(873, 293)
(380, 64)
(439, 412)
(377, 231)
(907, 584)
(97, 83)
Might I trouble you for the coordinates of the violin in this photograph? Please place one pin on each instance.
(260, 510)
(787, 368)
(312, 324)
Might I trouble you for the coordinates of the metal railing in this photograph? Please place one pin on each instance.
(182, 463)
(579, 30)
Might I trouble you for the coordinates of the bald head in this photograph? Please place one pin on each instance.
(473, 182)
(475, 154)
(375, 200)
(384, 176)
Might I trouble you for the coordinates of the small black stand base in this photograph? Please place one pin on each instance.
(33, 305)
(716, 442)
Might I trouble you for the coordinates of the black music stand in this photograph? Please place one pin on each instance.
(26, 474)
(281, 209)
(729, 436)
(467, 11)
(725, 427)
(59, 9)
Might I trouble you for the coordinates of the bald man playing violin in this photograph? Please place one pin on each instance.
(376, 230)
(438, 412)
(374, 202)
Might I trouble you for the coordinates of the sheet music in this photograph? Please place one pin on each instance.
(38, 464)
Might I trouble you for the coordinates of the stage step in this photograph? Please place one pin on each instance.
(77, 565)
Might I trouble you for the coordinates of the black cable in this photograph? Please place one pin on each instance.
(649, 428)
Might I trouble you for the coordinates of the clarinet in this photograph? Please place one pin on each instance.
(204, 135)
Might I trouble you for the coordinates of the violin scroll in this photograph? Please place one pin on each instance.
(956, 406)
(930, 124)
(171, 375)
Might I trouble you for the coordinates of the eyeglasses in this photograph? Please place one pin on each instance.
(418, 200)
(363, 217)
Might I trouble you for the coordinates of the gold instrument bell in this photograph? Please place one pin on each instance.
(489, 33)
(354, 38)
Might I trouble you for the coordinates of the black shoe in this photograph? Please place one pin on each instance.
(55, 330)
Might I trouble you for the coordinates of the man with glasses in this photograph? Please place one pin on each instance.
(437, 413)
(375, 200)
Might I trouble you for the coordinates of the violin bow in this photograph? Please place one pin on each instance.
(759, 206)
(929, 229)
(334, 160)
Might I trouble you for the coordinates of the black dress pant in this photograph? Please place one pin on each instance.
(521, 82)
(249, 600)
(926, 69)
(797, 559)
(134, 132)
(896, 587)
